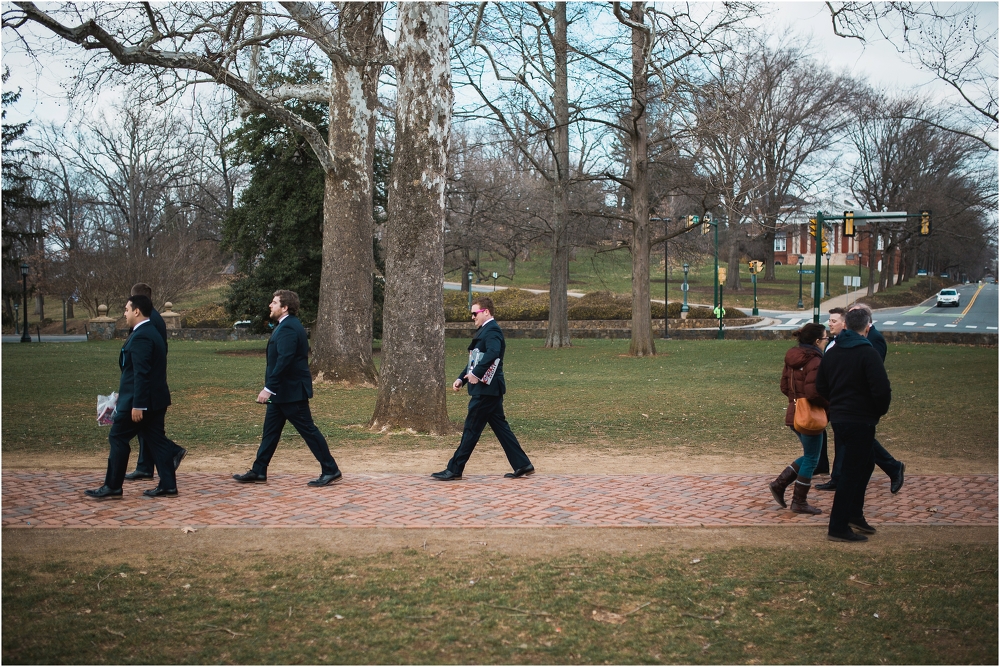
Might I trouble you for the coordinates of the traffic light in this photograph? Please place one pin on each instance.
(756, 266)
(848, 223)
(812, 226)
(925, 223)
(690, 221)
(824, 247)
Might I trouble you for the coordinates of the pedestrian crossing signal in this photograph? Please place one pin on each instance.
(925, 223)
(756, 266)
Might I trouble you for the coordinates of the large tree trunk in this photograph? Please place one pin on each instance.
(733, 282)
(342, 341)
(558, 333)
(411, 390)
(769, 255)
(642, 324)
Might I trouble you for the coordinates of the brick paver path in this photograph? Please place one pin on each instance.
(53, 499)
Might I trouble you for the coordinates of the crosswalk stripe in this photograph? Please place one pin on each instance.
(967, 326)
(889, 322)
(930, 324)
(950, 326)
(908, 324)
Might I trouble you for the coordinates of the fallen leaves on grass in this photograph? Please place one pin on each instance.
(602, 616)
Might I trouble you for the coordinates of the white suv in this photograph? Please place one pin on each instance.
(949, 297)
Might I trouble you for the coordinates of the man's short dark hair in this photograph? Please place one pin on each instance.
(142, 302)
(857, 320)
(838, 311)
(144, 289)
(486, 303)
(290, 299)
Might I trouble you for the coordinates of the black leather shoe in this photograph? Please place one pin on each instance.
(521, 472)
(180, 457)
(134, 475)
(859, 524)
(897, 480)
(250, 476)
(446, 475)
(157, 492)
(326, 479)
(849, 536)
(104, 493)
(829, 486)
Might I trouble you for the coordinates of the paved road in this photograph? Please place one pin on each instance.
(977, 314)
(55, 500)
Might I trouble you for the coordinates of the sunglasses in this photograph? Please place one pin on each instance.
(476, 312)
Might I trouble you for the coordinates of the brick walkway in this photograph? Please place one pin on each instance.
(56, 500)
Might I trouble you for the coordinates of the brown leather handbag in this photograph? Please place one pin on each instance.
(809, 419)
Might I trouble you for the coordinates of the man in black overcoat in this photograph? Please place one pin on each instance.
(143, 397)
(287, 390)
(484, 376)
(852, 377)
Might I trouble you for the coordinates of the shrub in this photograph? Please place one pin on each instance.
(211, 316)
(514, 304)
(511, 304)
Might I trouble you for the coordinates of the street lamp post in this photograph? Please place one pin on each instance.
(859, 265)
(25, 336)
(17, 314)
(494, 282)
(470, 289)
(801, 259)
(684, 288)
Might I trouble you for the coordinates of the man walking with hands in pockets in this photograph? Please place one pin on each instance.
(484, 376)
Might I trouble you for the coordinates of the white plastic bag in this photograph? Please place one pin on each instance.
(106, 408)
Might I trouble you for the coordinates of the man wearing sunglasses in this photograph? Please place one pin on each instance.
(484, 376)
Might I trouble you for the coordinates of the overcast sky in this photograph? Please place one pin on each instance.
(43, 99)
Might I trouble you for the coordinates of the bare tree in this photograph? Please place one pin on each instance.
(945, 40)
(411, 391)
(179, 44)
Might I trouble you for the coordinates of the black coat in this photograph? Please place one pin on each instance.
(287, 375)
(143, 362)
(852, 377)
(157, 321)
(486, 361)
(878, 341)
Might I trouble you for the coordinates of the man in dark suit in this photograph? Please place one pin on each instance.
(143, 397)
(892, 467)
(144, 464)
(287, 390)
(484, 376)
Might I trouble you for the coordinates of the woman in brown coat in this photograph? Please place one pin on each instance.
(798, 380)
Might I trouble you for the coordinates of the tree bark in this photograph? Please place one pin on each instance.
(642, 325)
(558, 333)
(342, 340)
(411, 390)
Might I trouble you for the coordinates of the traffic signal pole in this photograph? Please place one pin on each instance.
(818, 239)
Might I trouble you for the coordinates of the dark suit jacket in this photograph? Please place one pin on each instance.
(143, 362)
(157, 321)
(287, 372)
(878, 341)
(486, 360)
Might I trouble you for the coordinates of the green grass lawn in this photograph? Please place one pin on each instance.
(591, 271)
(712, 397)
(909, 605)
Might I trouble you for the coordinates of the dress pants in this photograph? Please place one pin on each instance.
(485, 410)
(150, 431)
(301, 418)
(883, 459)
(144, 464)
(858, 442)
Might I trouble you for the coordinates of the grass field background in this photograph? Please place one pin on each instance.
(711, 397)
(738, 605)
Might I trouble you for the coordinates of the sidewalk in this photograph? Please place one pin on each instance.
(56, 500)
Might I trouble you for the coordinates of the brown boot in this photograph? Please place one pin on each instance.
(799, 504)
(781, 483)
